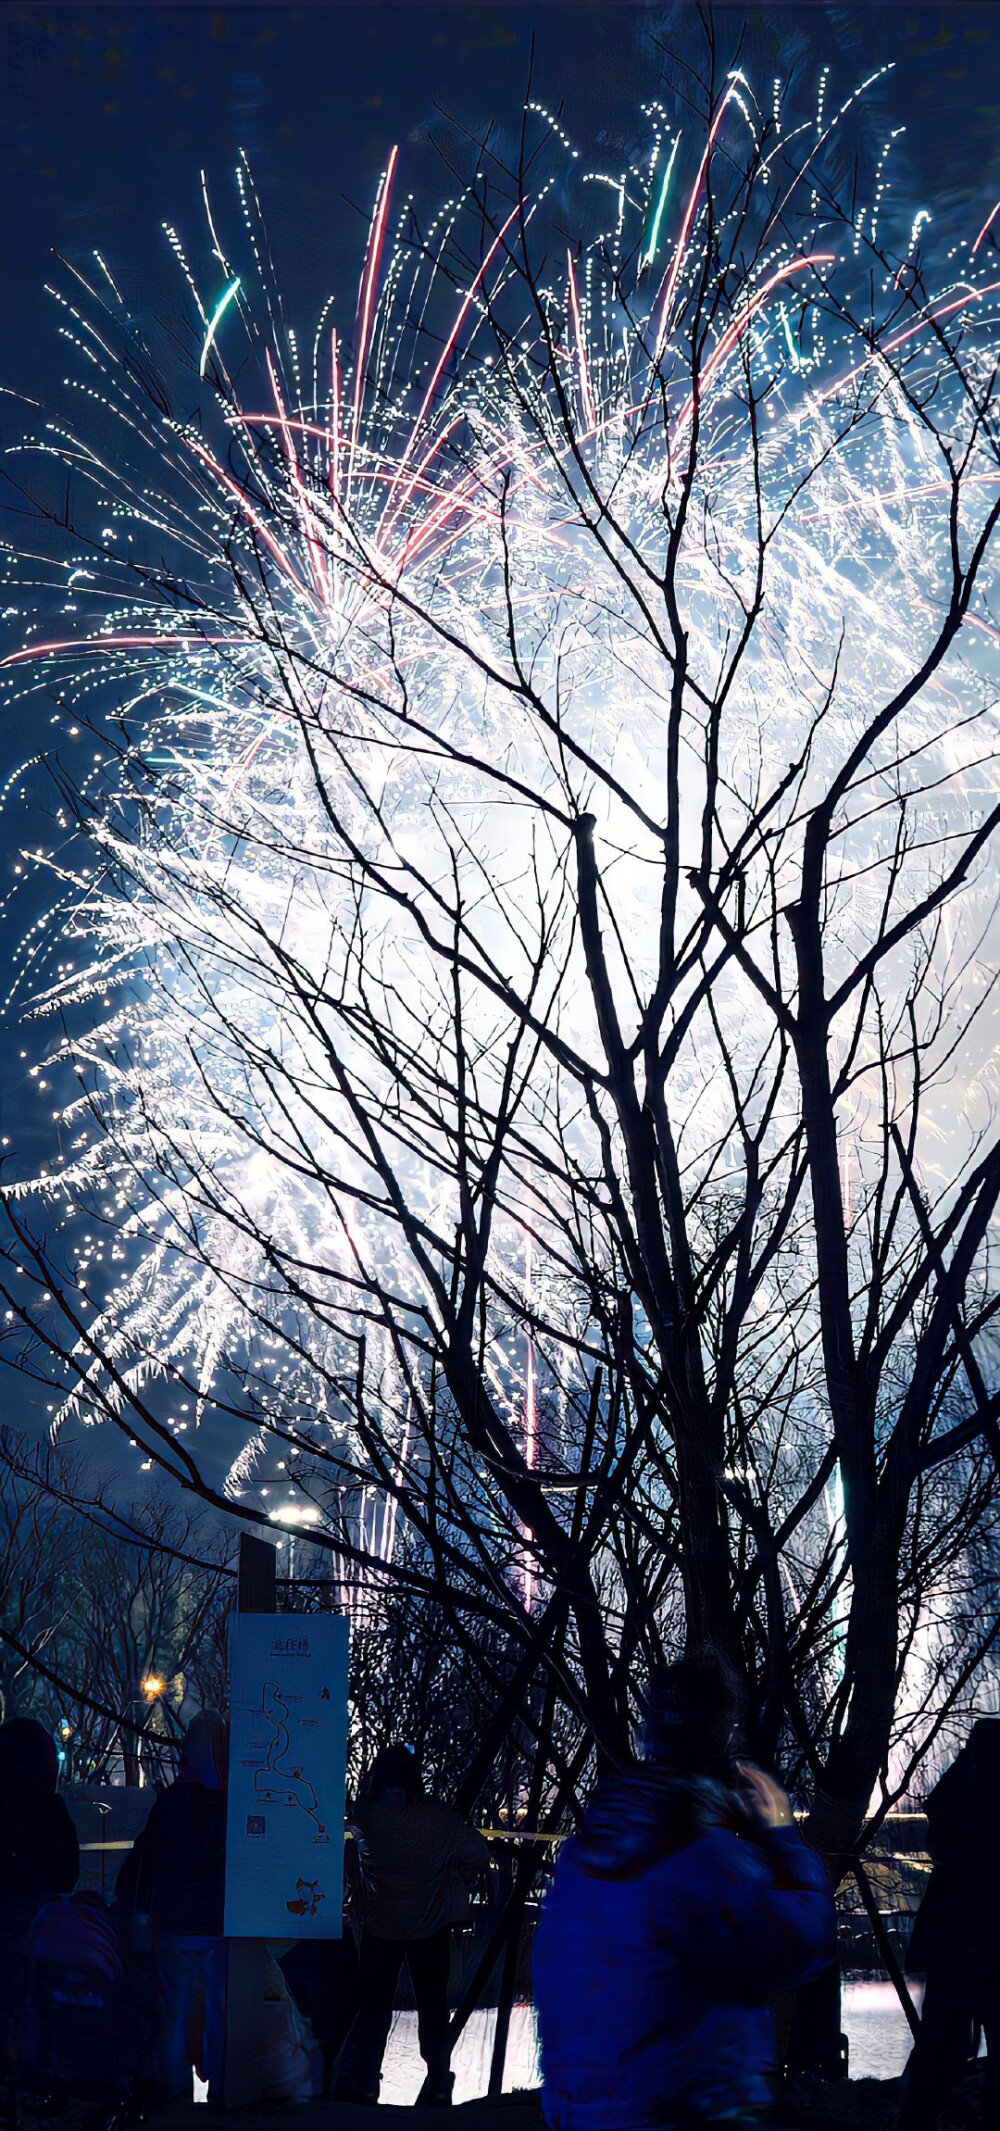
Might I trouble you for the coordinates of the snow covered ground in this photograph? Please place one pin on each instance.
(873, 2022)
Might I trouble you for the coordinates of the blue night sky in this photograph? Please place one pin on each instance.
(107, 114)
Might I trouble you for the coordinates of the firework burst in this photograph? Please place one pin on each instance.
(610, 546)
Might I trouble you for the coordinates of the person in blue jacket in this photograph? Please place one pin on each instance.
(685, 1902)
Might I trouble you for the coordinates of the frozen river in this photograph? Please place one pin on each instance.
(873, 2022)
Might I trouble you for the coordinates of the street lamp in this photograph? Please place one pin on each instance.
(295, 1515)
(65, 1732)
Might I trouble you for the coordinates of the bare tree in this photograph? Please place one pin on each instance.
(112, 1618)
(526, 941)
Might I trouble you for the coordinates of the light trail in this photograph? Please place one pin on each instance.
(653, 243)
(215, 321)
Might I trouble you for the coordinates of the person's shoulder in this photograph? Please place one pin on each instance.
(440, 1821)
(718, 1853)
(158, 1816)
(48, 1819)
(184, 1801)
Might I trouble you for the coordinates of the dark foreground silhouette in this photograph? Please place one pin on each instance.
(687, 1900)
(954, 1942)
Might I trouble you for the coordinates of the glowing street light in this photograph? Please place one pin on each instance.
(296, 1515)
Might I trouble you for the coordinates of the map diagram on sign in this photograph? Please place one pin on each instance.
(287, 1769)
(276, 1783)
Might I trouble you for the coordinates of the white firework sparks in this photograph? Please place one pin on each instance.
(365, 648)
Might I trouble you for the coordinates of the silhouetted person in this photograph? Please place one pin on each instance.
(418, 1859)
(176, 1875)
(686, 1900)
(954, 1942)
(39, 1851)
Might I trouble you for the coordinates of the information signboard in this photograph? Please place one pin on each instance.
(287, 1764)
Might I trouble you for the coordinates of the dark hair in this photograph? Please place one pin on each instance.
(28, 1757)
(984, 1745)
(396, 1768)
(204, 1755)
(960, 1808)
(691, 1713)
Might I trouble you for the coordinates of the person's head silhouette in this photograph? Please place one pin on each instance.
(396, 1768)
(691, 1715)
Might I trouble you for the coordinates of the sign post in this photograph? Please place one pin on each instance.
(287, 1772)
